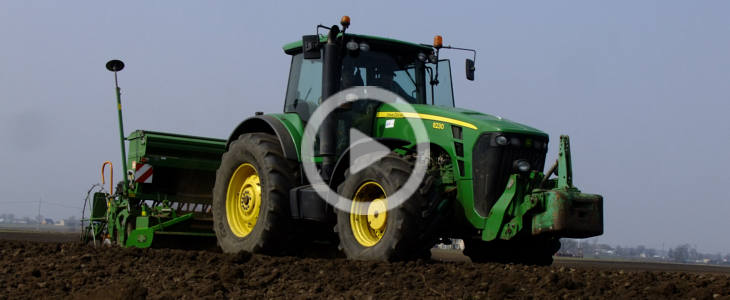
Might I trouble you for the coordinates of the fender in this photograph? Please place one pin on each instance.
(338, 175)
(270, 125)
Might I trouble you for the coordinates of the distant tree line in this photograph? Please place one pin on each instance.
(683, 253)
(12, 219)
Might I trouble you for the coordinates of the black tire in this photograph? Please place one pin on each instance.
(527, 251)
(277, 176)
(404, 237)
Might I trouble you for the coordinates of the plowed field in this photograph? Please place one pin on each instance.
(32, 269)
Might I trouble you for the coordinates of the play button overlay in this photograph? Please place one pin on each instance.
(364, 151)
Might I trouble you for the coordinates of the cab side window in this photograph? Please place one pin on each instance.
(304, 92)
(443, 92)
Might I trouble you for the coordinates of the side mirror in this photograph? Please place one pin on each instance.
(310, 47)
(470, 69)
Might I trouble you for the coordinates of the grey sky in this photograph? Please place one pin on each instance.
(641, 87)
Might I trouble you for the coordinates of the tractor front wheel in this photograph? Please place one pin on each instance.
(368, 230)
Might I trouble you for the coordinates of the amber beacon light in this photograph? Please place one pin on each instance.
(345, 21)
(438, 42)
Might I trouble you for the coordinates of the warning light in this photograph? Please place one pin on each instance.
(438, 42)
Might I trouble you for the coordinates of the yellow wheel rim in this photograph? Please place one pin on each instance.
(243, 200)
(368, 214)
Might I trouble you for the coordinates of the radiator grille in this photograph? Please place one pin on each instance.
(492, 164)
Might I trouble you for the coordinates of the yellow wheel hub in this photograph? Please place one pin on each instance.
(368, 214)
(243, 200)
(376, 214)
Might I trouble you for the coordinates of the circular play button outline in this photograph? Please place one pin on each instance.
(351, 95)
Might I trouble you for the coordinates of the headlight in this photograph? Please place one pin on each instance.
(501, 140)
(521, 165)
(364, 47)
(352, 45)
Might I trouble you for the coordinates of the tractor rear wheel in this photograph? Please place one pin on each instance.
(250, 196)
(368, 231)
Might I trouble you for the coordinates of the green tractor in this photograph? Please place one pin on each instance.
(483, 179)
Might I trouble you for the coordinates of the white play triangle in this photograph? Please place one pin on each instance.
(364, 151)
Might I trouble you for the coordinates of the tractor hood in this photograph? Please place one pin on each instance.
(458, 116)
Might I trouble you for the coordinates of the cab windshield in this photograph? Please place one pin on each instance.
(403, 75)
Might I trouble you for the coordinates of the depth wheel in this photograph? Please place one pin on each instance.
(250, 197)
(368, 231)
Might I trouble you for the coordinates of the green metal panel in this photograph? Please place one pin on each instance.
(295, 126)
(187, 163)
(143, 143)
(142, 222)
(483, 122)
(142, 237)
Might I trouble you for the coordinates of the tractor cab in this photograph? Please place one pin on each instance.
(323, 65)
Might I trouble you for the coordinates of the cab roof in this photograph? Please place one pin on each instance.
(296, 46)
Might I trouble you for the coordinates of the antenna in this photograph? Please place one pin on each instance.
(115, 66)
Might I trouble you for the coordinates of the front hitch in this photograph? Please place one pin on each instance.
(551, 207)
